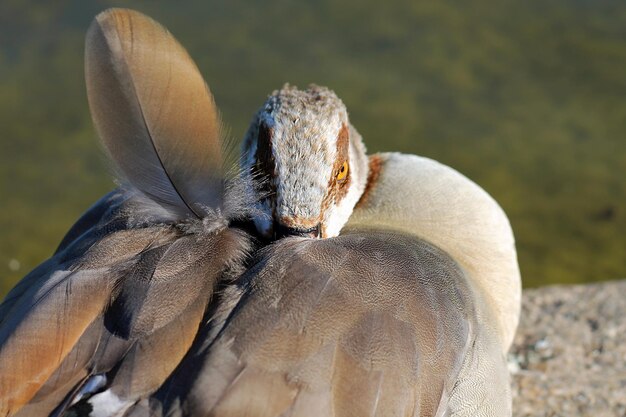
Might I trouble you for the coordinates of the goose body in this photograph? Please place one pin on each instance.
(391, 289)
(409, 311)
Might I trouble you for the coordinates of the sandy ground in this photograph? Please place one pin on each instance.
(569, 355)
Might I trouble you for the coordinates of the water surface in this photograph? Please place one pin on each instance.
(526, 98)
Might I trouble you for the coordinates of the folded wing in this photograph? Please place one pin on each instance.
(365, 324)
(118, 302)
(111, 314)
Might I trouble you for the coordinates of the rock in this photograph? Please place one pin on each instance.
(569, 354)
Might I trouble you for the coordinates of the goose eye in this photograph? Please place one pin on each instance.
(343, 171)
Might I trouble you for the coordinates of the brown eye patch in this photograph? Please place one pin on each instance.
(341, 167)
(265, 166)
(339, 181)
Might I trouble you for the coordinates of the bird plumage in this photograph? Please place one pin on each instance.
(154, 112)
(429, 200)
(378, 321)
(123, 296)
(370, 323)
(127, 307)
(296, 143)
(158, 303)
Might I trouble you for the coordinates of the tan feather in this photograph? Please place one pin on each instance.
(443, 207)
(36, 347)
(113, 306)
(154, 112)
(158, 121)
(365, 324)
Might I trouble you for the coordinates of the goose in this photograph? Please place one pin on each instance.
(391, 287)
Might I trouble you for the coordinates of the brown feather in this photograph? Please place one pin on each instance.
(365, 324)
(56, 335)
(154, 112)
(159, 123)
(151, 359)
(37, 346)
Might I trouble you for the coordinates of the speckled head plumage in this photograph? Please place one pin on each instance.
(310, 160)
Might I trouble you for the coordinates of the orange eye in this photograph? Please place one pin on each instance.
(343, 171)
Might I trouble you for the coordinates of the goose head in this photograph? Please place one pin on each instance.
(309, 160)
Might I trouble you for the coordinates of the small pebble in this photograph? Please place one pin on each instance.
(571, 360)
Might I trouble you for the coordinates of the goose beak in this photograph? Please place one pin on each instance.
(286, 231)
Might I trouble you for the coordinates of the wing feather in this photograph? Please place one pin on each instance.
(35, 339)
(125, 290)
(154, 112)
(58, 330)
(367, 324)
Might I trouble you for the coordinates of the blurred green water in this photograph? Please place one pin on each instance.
(526, 98)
